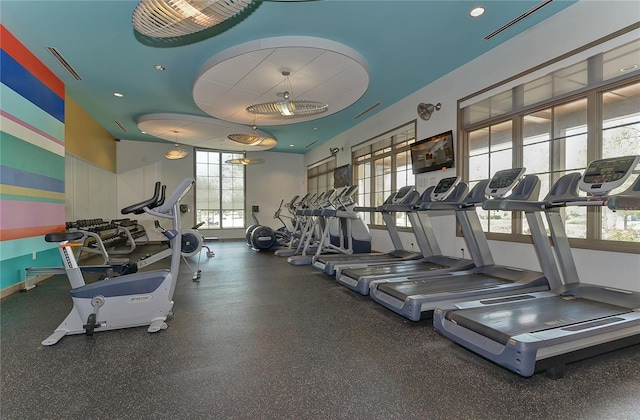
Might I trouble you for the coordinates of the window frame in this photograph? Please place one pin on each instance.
(383, 147)
(322, 169)
(593, 94)
(221, 207)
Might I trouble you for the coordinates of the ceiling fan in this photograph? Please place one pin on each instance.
(425, 110)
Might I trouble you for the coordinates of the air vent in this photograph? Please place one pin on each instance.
(377, 104)
(121, 126)
(64, 63)
(310, 144)
(518, 19)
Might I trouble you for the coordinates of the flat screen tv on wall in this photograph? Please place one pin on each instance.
(433, 153)
(342, 176)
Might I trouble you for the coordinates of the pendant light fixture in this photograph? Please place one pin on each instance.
(173, 18)
(176, 153)
(288, 108)
(245, 161)
(254, 139)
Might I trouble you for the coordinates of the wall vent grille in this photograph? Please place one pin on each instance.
(377, 104)
(518, 19)
(64, 63)
(121, 126)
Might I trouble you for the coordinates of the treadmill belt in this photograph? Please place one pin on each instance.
(502, 322)
(441, 284)
(410, 267)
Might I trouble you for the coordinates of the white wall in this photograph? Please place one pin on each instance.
(576, 26)
(141, 164)
(90, 191)
(282, 176)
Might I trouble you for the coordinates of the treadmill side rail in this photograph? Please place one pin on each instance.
(528, 353)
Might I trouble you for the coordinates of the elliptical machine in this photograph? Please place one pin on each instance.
(139, 299)
(260, 237)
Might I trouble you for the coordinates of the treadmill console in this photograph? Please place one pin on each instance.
(444, 188)
(604, 175)
(504, 181)
(403, 195)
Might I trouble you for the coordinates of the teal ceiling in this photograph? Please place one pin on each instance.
(407, 45)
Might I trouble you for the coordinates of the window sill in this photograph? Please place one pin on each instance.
(576, 243)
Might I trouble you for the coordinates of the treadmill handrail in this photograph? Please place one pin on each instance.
(367, 209)
(452, 202)
(398, 207)
(624, 202)
(425, 198)
(564, 192)
(514, 205)
(477, 195)
(628, 199)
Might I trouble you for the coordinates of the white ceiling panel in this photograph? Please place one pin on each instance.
(260, 77)
(209, 93)
(293, 58)
(230, 72)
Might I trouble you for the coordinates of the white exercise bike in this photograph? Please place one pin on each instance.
(133, 300)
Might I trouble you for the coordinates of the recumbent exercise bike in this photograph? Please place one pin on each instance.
(139, 299)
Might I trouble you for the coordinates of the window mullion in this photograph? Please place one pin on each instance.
(594, 151)
(517, 159)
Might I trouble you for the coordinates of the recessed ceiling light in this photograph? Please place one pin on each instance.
(118, 94)
(315, 128)
(629, 68)
(159, 67)
(291, 145)
(477, 11)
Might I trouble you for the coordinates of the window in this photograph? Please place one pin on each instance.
(219, 190)
(491, 150)
(320, 176)
(554, 125)
(621, 136)
(382, 166)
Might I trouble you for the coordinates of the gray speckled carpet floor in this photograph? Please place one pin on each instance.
(259, 338)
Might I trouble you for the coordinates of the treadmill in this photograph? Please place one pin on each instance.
(535, 332)
(402, 200)
(417, 297)
(448, 193)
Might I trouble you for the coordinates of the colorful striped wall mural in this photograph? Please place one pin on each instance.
(32, 198)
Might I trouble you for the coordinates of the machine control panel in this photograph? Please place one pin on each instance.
(404, 195)
(444, 188)
(504, 181)
(604, 175)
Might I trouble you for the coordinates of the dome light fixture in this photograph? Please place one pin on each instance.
(174, 18)
(177, 153)
(288, 108)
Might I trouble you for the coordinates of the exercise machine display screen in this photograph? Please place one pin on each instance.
(402, 194)
(503, 181)
(444, 188)
(604, 175)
